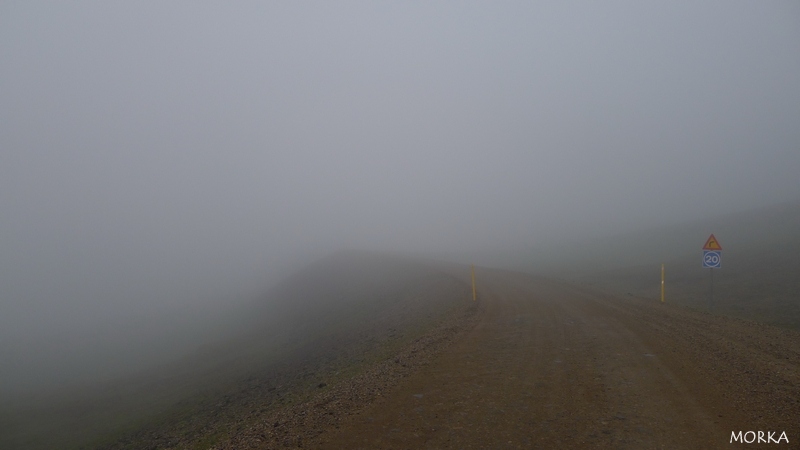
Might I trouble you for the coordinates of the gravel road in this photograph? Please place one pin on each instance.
(552, 365)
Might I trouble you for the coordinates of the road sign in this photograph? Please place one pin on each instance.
(712, 244)
(712, 259)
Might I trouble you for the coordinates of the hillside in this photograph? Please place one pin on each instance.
(758, 279)
(323, 325)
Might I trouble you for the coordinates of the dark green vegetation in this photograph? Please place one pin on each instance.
(323, 325)
(758, 280)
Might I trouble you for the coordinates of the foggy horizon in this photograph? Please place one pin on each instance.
(158, 156)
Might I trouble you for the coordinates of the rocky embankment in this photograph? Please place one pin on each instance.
(300, 426)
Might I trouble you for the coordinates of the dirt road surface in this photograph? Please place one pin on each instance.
(551, 365)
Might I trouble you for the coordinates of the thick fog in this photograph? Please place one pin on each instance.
(159, 158)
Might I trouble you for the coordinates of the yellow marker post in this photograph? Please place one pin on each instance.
(662, 283)
(474, 295)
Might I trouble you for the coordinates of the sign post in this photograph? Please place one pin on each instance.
(712, 259)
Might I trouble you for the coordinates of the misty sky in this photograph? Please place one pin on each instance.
(162, 152)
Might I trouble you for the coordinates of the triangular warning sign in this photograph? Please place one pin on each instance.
(712, 244)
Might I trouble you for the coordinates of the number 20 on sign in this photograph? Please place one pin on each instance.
(711, 259)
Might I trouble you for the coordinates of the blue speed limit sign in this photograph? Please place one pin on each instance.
(712, 259)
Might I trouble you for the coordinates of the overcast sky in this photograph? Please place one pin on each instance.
(158, 152)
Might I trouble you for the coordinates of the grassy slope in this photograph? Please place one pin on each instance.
(319, 326)
(758, 279)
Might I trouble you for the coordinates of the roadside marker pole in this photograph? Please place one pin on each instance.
(474, 296)
(662, 283)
